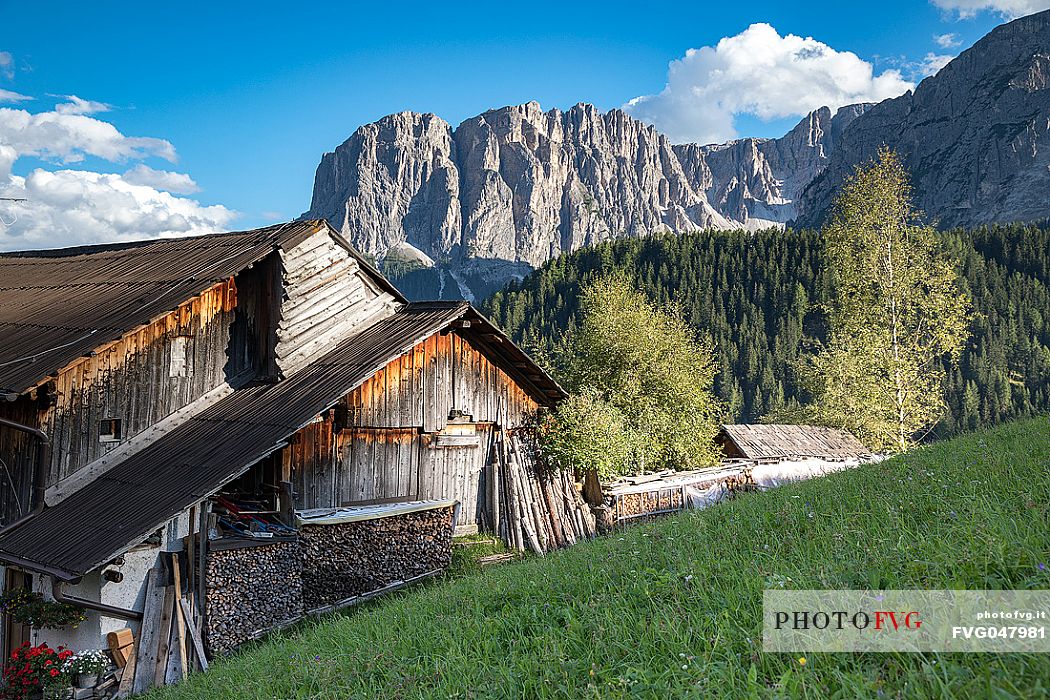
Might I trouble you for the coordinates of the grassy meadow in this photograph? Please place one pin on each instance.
(672, 608)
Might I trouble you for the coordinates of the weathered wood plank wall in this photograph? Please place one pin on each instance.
(379, 442)
(326, 295)
(216, 337)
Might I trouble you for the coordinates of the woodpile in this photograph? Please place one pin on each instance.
(740, 483)
(644, 504)
(250, 590)
(345, 560)
(532, 509)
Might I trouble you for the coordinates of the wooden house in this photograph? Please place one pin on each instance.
(262, 402)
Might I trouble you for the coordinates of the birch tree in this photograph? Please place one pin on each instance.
(898, 310)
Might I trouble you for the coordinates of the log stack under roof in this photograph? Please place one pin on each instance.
(251, 590)
(348, 559)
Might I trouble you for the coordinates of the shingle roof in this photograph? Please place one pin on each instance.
(57, 305)
(787, 441)
(132, 499)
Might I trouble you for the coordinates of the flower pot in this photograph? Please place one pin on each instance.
(87, 680)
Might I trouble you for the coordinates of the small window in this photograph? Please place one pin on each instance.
(110, 430)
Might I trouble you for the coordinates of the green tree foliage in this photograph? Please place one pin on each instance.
(758, 298)
(639, 368)
(896, 313)
(587, 432)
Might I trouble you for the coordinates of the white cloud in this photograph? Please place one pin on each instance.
(179, 183)
(70, 137)
(7, 65)
(74, 207)
(10, 96)
(932, 63)
(946, 41)
(762, 73)
(1009, 9)
(76, 105)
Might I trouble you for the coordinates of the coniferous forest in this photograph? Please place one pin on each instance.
(760, 298)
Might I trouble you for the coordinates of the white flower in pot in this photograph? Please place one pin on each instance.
(86, 666)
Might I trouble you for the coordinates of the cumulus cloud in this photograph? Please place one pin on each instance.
(1009, 9)
(11, 96)
(762, 73)
(946, 41)
(179, 183)
(74, 207)
(76, 105)
(70, 137)
(932, 63)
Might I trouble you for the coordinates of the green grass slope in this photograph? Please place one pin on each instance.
(673, 608)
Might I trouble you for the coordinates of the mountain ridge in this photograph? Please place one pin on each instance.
(510, 188)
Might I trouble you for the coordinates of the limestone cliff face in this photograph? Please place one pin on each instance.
(514, 184)
(756, 182)
(394, 181)
(975, 138)
(535, 184)
(514, 187)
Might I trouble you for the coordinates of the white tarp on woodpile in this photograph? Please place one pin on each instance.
(636, 497)
(349, 514)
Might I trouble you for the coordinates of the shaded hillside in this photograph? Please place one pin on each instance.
(757, 296)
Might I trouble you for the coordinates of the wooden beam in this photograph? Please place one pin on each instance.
(146, 651)
(179, 614)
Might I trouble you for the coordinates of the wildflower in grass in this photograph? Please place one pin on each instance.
(802, 661)
(1042, 566)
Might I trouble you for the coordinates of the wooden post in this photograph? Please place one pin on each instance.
(178, 614)
(195, 637)
(146, 650)
(164, 635)
(202, 561)
(493, 485)
(127, 677)
(190, 558)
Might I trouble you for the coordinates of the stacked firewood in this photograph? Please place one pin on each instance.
(533, 508)
(348, 559)
(250, 590)
(647, 503)
(740, 483)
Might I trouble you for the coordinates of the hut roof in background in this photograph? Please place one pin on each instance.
(777, 441)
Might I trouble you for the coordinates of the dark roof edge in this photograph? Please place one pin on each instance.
(92, 248)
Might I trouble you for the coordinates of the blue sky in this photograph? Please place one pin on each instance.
(251, 95)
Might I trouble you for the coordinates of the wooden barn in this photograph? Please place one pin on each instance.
(206, 438)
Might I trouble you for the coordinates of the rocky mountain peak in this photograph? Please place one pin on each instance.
(515, 186)
(975, 137)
